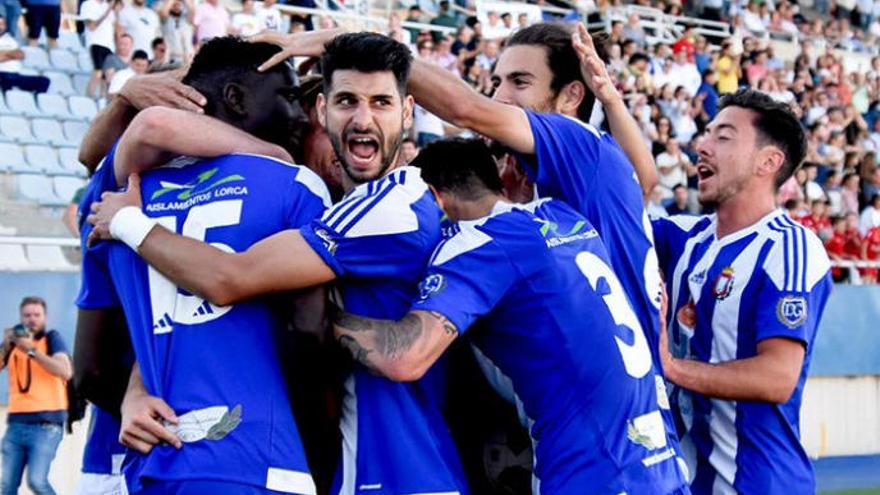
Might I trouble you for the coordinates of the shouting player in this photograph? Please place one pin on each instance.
(556, 322)
(747, 287)
(376, 243)
(203, 362)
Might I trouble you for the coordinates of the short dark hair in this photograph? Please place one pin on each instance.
(679, 186)
(140, 55)
(638, 57)
(707, 73)
(409, 140)
(463, 167)
(366, 52)
(27, 301)
(223, 60)
(156, 42)
(775, 124)
(506, 14)
(561, 58)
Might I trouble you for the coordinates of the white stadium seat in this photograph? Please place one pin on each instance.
(47, 257)
(64, 61)
(83, 107)
(80, 84)
(53, 106)
(17, 129)
(69, 158)
(12, 158)
(22, 103)
(66, 187)
(38, 187)
(50, 131)
(12, 257)
(41, 157)
(75, 131)
(35, 57)
(85, 62)
(59, 83)
(71, 41)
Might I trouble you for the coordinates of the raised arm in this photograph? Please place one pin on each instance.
(281, 262)
(154, 137)
(624, 127)
(399, 350)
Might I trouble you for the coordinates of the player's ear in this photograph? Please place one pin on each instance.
(234, 100)
(408, 104)
(321, 110)
(570, 97)
(770, 160)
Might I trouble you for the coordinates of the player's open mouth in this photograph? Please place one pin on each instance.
(704, 172)
(362, 150)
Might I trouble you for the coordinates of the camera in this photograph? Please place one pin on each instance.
(20, 331)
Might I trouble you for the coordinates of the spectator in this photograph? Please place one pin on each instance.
(10, 10)
(679, 205)
(655, 208)
(426, 126)
(712, 9)
(507, 21)
(270, 16)
(39, 367)
(671, 168)
(818, 220)
(488, 56)
(684, 73)
(211, 20)
(100, 20)
(686, 44)
(728, 69)
(459, 48)
(119, 60)
(177, 28)
(494, 27)
(443, 55)
(833, 191)
(42, 14)
(408, 150)
(870, 252)
(414, 15)
(812, 190)
(396, 30)
(849, 195)
(871, 185)
(702, 57)
(69, 218)
(139, 64)
(664, 133)
(870, 217)
(10, 66)
(633, 30)
(522, 22)
(836, 248)
(141, 23)
(161, 56)
(444, 18)
(245, 23)
(709, 95)
(757, 69)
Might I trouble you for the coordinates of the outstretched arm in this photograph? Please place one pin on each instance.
(155, 136)
(281, 262)
(401, 350)
(624, 127)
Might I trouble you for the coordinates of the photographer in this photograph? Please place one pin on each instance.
(39, 367)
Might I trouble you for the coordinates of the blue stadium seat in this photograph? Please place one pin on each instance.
(38, 187)
(41, 157)
(64, 61)
(75, 131)
(49, 131)
(17, 129)
(22, 103)
(35, 58)
(59, 83)
(82, 107)
(12, 159)
(71, 41)
(52, 105)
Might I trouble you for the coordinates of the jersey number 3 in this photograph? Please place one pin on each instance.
(636, 355)
(169, 306)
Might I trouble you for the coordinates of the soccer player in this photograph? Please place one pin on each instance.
(214, 370)
(747, 287)
(556, 322)
(376, 243)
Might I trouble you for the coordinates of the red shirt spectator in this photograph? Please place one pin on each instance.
(870, 252)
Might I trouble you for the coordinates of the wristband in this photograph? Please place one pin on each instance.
(131, 226)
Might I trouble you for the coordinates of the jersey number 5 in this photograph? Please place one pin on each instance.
(636, 356)
(169, 306)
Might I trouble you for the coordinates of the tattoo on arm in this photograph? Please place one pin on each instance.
(357, 351)
(391, 338)
(448, 326)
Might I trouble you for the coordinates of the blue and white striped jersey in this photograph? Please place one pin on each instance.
(378, 241)
(770, 280)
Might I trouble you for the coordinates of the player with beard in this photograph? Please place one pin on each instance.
(747, 287)
(376, 243)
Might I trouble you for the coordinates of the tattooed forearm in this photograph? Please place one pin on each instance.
(357, 351)
(448, 326)
(388, 338)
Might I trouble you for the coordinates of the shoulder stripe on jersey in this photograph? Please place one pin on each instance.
(353, 220)
(800, 254)
(358, 205)
(794, 251)
(343, 208)
(787, 273)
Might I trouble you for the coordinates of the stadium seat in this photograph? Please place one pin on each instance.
(69, 158)
(66, 187)
(12, 158)
(22, 103)
(82, 107)
(85, 62)
(17, 129)
(49, 131)
(80, 84)
(35, 58)
(38, 187)
(64, 61)
(28, 71)
(12, 257)
(70, 41)
(41, 157)
(74, 131)
(47, 257)
(53, 105)
(59, 83)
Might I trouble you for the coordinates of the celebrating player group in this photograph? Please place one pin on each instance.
(244, 331)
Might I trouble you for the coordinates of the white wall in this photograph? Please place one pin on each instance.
(841, 416)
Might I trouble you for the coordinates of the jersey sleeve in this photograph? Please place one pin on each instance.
(567, 156)
(795, 288)
(382, 233)
(469, 274)
(309, 199)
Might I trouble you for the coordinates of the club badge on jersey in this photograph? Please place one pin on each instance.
(723, 284)
(792, 311)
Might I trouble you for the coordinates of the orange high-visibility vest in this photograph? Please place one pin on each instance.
(46, 392)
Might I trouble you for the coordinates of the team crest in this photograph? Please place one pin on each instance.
(723, 284)
(792, 311)
(431, 285)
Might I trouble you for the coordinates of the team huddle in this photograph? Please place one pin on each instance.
(643, 357)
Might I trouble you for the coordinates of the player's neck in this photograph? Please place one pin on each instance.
(463, 209)
(742, 211)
